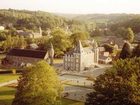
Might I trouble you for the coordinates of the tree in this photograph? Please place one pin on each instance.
(118, 86)
(2, 36)
(78, 36)
(130, 35)
(136, 51)
(12, 42)
(121, 31)
(38, 85)
(126, 51)
(8, 43)
(60, 41)
(109, 48)
(19, 42)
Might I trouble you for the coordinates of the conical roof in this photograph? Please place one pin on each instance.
(79, 47)
(51, 45)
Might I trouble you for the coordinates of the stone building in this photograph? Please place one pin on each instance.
(37, 34)
(105, 59)
(20, 57)
(80, 58)
(30, 34)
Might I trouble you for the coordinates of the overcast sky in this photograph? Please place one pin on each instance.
(75, 6)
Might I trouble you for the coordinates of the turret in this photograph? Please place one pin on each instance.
(95, 45)
(78, 53)
(79, 47)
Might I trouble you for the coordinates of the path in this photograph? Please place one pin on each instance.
(8, 83)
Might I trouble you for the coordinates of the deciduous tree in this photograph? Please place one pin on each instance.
(126, 51)
(60, 41)
(38, 85)
(118, 86)
(75, 37)
(130, 35)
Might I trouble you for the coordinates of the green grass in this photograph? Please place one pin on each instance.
(8, 77)
(58, 60)
(7, 95)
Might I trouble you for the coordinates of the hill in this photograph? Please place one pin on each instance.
(30, 19)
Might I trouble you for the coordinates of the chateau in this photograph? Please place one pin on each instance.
(80, 58)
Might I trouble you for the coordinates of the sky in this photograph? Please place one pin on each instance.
(75, 6)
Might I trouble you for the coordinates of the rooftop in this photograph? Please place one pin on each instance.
(27, 53)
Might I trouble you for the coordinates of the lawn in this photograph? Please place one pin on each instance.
(7, 95)
(58, 61)
(8, 77)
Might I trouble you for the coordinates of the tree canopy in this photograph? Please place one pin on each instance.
(60, 41)
(75, 37)
(38, 85)
(118, 86)
(109, 48)
(129, 35)
(126, 51)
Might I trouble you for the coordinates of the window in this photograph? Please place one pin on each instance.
(77, 65)
(77, 56)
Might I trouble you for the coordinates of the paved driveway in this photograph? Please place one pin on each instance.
(76, 93)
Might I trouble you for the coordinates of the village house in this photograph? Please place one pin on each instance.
(104, 56)
(21, 57)
(30, 34)
(105, 59)
(117, 42)
(81, 58)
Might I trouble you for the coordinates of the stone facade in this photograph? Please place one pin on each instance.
(19, 61)
(37, 34)
(80, 58)
(30, 34)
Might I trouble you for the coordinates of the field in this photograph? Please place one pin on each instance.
(7, 95)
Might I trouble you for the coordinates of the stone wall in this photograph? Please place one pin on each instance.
(18, 60)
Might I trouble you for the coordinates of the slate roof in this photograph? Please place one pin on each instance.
(103, 57)
(27, 53)
(79, 49)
